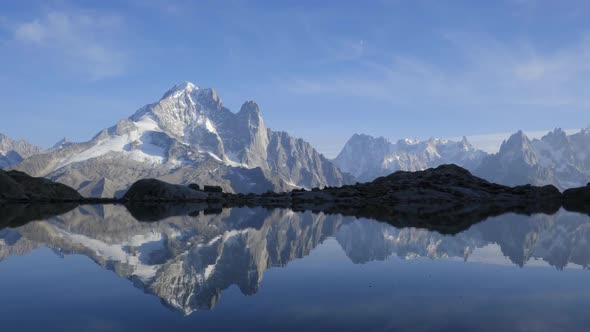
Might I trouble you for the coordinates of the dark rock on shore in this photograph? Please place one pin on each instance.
(447, 198)
(156, 190)
(577, 194)
(19, 187)
(213, 189)
(194, 186)
(447, 187)
(577, 199)
(443, 188)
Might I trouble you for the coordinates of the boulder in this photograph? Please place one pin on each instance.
(156, 190)
(581, 194)
(19, 186)
(213, 189)
(10, 189)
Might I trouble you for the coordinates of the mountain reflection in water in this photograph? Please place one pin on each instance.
(189, 260)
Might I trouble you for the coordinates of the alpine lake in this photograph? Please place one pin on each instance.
(109, 268)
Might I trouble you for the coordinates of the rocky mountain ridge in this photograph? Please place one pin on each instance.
(557, 158)
(187, 136)
(12, 152)
(368, 158)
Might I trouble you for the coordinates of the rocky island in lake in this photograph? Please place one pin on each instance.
(447, 197)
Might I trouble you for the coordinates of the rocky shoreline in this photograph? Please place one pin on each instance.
(447, 195)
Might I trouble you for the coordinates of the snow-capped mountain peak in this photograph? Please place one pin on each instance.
(189, 136)
(557, 158)
(556, 138)
(516, 142)
(466, 145)
(61, 143)
(178, 89)
(518, 147)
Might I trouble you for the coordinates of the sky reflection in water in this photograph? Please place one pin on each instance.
(96, 268)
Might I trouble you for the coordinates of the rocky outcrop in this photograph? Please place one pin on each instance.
(156, 190)
(435, 189)
(20, 187)
(447, 198)
(577, 194)
(577, 199)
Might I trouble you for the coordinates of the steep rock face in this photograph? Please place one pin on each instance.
(9, 188)
(515, 164)
(13, 152)
(367, 157)
(556, 158)
(189, 136)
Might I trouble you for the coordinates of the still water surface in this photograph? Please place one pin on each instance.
(97, 268)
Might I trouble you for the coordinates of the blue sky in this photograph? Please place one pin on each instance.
(321, 70)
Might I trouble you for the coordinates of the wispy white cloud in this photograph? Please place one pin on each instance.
(490, 73)
(82, 42)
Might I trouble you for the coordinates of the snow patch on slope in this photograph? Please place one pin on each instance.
(134, 143)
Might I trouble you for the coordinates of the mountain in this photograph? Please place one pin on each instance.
(188, 136)
(16, 186)
(13, 152)
(367, 157)
(61, 143)
(557, 158)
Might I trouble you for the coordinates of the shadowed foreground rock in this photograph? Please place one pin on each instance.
(447, 199)
(156, 190)
(577, 199)
(19, 187)
(447, 187)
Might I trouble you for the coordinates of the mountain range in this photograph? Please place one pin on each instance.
(557, 158)
(367, 157)
(189, 136)
(12, 152)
